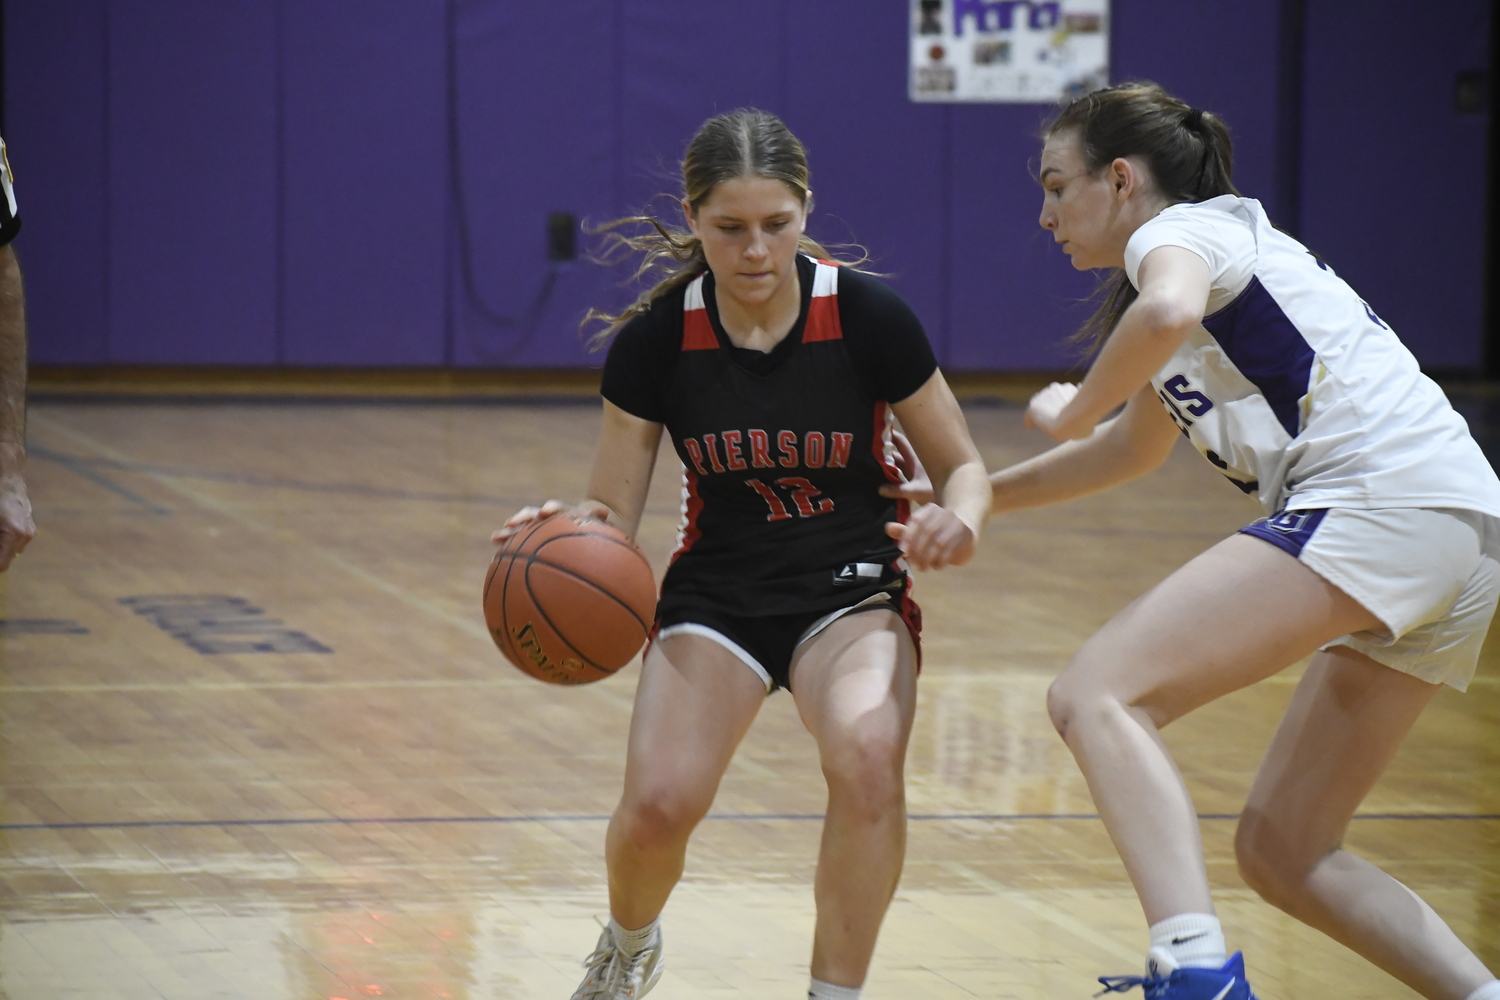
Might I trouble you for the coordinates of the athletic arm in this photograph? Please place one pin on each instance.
(618, 483)
(1132, 444)
(1174, 286)
(16, 525)
(946, 532)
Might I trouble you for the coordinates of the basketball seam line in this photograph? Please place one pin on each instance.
(580, 577)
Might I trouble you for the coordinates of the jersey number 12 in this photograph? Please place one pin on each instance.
(804, 497)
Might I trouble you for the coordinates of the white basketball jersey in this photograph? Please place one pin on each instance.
(1294, 388)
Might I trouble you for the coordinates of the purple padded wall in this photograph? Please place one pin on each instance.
(192, 181)
(1393, 178)
(262, 181)
(55, 130)
(1178, 44)
(879, 162)
(365, 183)
(538, 111)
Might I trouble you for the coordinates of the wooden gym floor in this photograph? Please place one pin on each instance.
(257, 744)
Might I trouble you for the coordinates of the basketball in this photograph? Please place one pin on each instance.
(569, 600)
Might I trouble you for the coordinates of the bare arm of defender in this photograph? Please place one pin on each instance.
(1123, 448)
(1172, 303)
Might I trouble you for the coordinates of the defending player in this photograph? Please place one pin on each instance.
(1378, 554)
(776, 374)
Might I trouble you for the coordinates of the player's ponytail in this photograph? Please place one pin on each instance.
(1187, 151)
(743, 143)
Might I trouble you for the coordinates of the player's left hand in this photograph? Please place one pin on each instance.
(933, 537)
(1045, 412)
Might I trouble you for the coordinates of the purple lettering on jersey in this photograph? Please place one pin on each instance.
(787, 442)
(760, 450)
(1182, 391)
(732, 451)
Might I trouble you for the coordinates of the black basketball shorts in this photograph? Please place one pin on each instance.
(767, 643)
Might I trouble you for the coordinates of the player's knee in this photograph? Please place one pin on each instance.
(1271, 865)
(1070, 701)
(1060, 706)
(661, 815)
(865, 768)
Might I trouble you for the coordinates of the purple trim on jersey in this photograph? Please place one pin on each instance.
(1289, 531)
(1268, 349)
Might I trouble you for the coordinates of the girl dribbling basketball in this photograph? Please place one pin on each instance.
(777, 375)
(1378, 555)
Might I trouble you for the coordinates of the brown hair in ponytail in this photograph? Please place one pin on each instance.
(1188, 152)
(742, 143)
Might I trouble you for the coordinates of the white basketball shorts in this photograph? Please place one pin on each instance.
(1432, 577)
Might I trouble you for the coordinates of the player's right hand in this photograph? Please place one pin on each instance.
(17, 528)
(526, 515)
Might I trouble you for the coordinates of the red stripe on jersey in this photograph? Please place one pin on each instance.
(911, 614)
(877, 445)
(697, 332)
(822, 320)
(692, 506)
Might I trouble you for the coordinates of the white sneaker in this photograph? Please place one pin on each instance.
(613, 975)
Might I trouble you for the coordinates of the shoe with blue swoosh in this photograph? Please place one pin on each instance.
(1227, 983)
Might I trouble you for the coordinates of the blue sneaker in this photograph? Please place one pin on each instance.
(1165, 983)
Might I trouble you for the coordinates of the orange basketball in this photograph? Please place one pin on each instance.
(569, 600)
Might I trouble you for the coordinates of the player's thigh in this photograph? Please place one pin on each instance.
(1232, 616)
(693, 704)
(1346, 721)
(855, 684)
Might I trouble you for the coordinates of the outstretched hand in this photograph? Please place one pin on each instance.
(526, 515)
(917, 488)
(16, 525)
(1045, 411)
(933, 537)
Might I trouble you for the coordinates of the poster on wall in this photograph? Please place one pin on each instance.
(1016, 51)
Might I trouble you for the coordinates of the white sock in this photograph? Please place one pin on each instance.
(1190, 940)
(1489, 991)
(820, 990)
(633, 942)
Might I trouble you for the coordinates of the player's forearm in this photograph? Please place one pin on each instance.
(967, 494)
(12, 366)
(1149, 333)
(1072, 469)
(622, 496)
(627, 520)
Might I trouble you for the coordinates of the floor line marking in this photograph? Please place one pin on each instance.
(719, 817)
(81, 469)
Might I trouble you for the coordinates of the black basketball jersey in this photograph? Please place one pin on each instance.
(783, 456)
